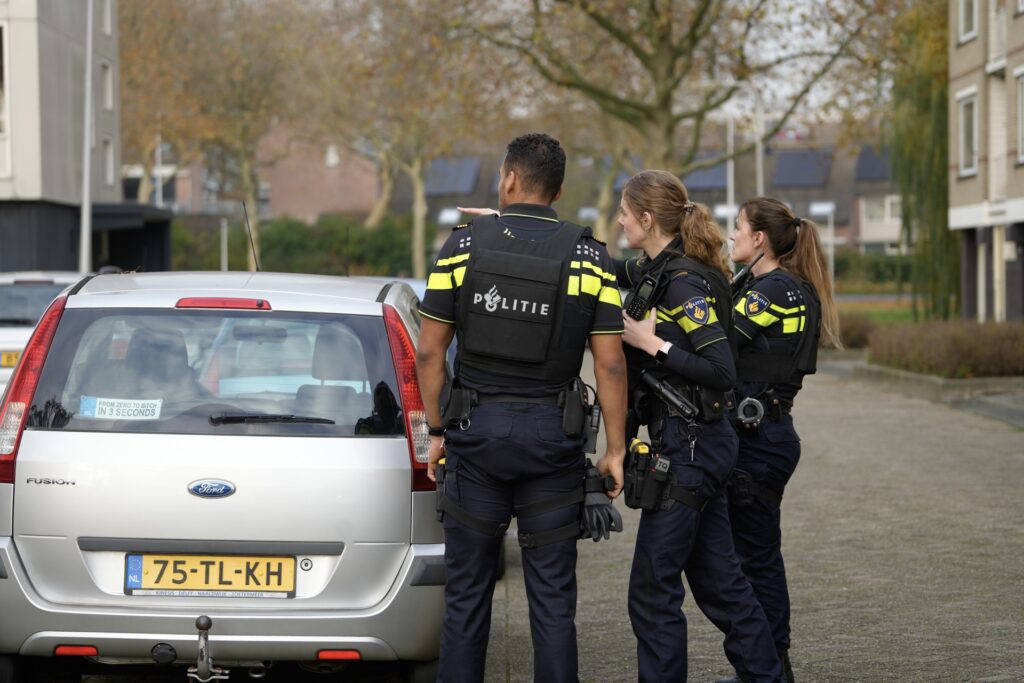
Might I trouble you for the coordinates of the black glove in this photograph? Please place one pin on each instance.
(598, 517)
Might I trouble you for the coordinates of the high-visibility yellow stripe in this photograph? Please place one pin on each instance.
(439, 281)
(764, 319)
(458, 274)
(787, 311)
(454, 259)
(590, 284)
(574, 285)
(590, 266)
(790, 325)
(434, 317)
(610, 295)
(665, 317)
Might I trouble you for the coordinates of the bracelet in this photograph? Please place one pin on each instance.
(435, 431)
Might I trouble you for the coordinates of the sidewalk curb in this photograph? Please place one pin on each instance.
(934, 388)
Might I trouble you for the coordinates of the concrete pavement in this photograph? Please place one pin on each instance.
(904, 539)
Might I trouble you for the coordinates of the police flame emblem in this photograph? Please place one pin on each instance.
(756, 302)
(696, 309)
(492, 299)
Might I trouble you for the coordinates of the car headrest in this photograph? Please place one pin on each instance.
(333, 352)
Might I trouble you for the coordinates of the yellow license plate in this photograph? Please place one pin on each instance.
(234, 576)
(8, 359)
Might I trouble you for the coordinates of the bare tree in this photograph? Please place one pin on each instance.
(664, 67)
(157, 103)
(252, 56)
(411, 93)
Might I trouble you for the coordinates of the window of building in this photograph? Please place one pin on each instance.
(331, 156)
(1020, 114)
(108, 161)
(968, 20)
(3, 84)
(107, 77)
(893, 207)
(874, 209)
(108, 17)
(967, 106)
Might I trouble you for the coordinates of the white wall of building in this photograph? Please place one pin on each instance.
(44, 64)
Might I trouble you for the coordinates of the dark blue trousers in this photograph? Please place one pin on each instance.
(512, 454)
(699, 543)
(770, 454)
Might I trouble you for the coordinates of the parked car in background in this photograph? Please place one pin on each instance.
(247, 447)
(23, 298)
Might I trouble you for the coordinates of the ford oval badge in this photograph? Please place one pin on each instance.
(211, 488)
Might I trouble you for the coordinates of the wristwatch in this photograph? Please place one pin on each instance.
(662, 353)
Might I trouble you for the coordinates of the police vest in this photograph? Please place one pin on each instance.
(511, 303)
(778, 368)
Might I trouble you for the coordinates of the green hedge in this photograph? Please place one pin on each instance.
(955, 349)
(332, 246)
(854, 269)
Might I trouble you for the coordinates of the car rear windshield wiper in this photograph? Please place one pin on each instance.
(252, 418)
(17, 321)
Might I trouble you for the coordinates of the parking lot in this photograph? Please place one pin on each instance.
(904, 533)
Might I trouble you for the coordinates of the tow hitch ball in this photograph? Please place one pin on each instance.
(204, 670)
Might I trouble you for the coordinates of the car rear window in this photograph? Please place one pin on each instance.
(23, 303)
(218, 372)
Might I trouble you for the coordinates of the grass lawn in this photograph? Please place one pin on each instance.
(883, 311)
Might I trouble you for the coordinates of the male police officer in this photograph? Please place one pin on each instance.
(524, 292)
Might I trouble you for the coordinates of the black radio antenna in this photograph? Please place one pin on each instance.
(252, 245)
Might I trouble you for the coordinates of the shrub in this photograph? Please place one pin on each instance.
(332, 246)
(955, 349)
(854, 329)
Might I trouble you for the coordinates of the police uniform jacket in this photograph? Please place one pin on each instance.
(591, 305)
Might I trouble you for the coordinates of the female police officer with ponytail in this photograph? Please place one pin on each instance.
(779, 315)
(680, 295)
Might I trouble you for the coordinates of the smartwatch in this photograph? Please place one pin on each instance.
(662, 353)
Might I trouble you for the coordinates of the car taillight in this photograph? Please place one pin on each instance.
(23, 387)
(412, 403)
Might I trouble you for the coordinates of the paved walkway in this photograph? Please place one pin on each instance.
(904, 540)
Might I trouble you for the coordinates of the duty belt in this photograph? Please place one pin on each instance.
(551, 400)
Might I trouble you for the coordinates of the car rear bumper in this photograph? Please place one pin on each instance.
(405, 624)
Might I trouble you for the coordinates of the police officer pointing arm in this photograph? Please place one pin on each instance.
(524, 292)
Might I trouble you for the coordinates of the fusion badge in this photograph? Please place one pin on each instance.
(211, 488)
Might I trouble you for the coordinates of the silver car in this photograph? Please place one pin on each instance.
(23, 298)
(219, 471)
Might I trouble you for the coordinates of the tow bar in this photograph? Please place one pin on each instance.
(204, 670)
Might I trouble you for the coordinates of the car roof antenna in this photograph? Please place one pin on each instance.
(248, 230)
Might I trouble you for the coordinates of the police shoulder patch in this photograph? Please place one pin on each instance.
(756, 302)
(696, 309)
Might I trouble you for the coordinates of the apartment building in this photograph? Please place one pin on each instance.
(986, 154)
(42, 95)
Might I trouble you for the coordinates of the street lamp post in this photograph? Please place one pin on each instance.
(85, 219)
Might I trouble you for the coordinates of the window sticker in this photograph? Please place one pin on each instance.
(99, 408)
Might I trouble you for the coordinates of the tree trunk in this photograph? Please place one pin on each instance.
(146, 181)
(604, 226)
(419, 218)
(252, 205)
(386, 175)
